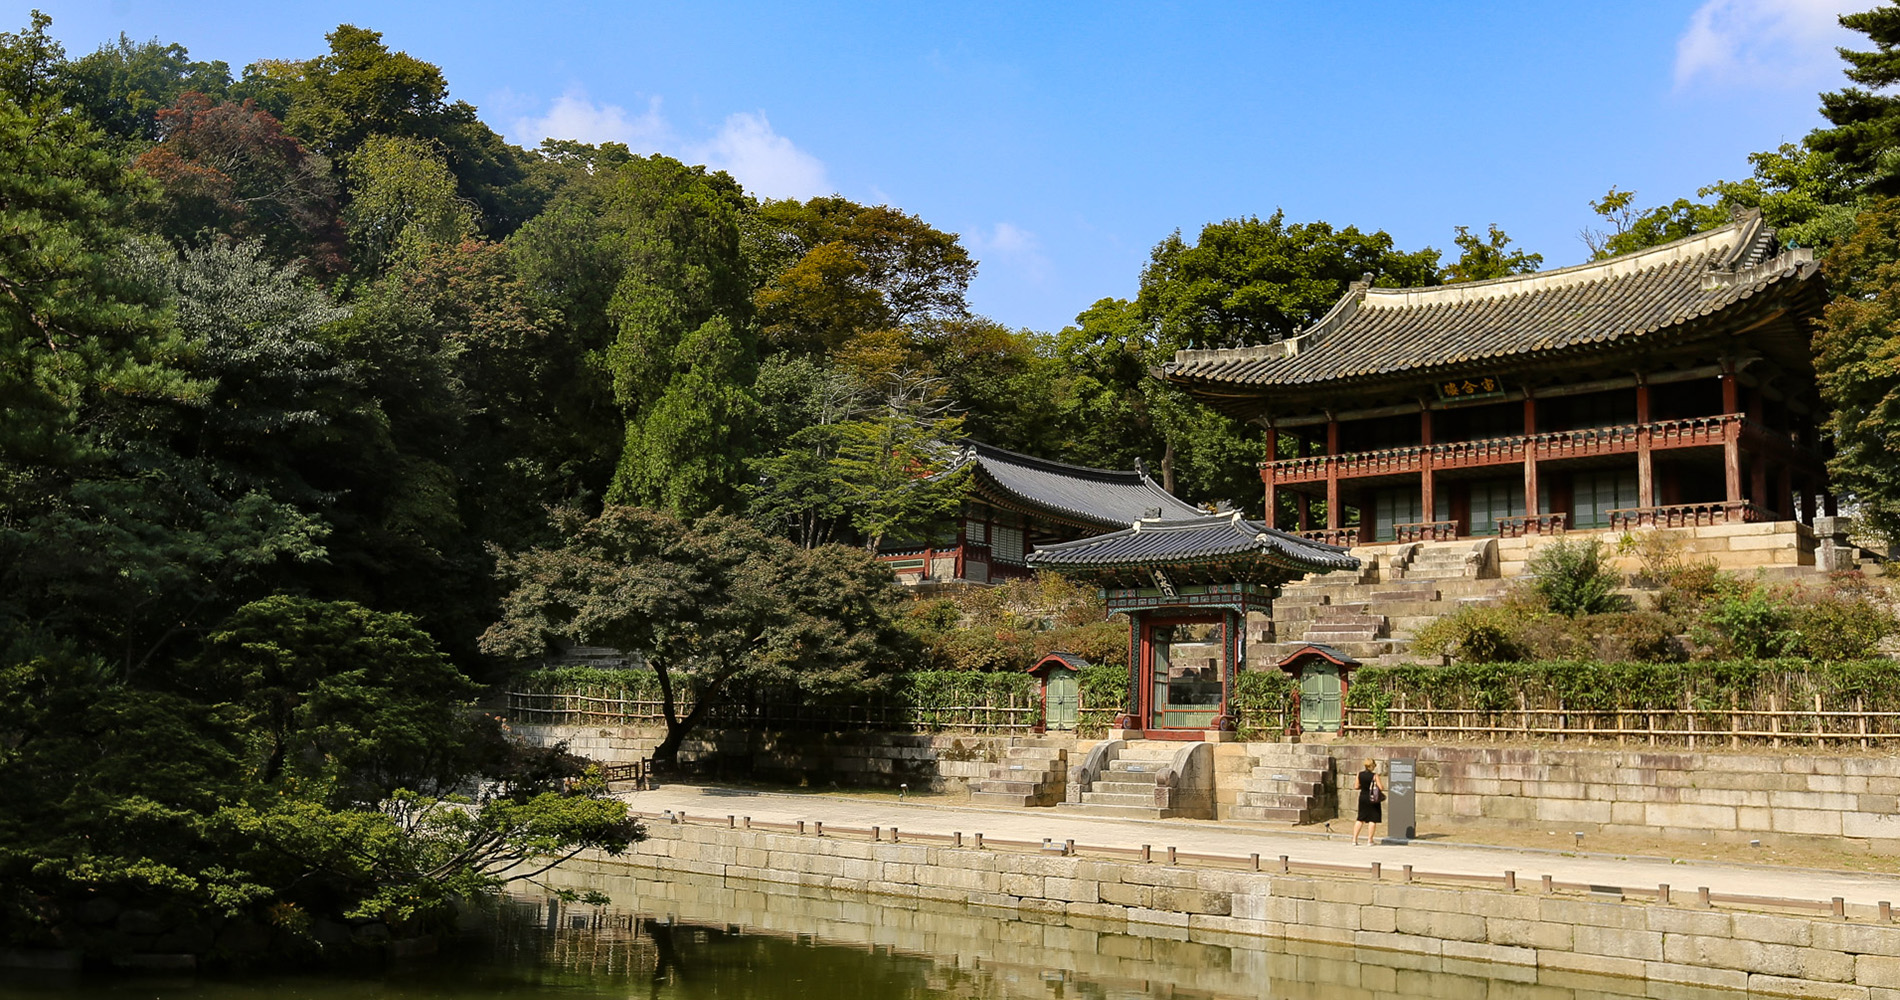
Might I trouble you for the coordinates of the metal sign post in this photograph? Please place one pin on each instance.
(1401, 801)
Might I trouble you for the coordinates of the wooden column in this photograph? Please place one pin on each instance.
(1731, 439)
(1426, 481)
(1332, 475)
(1306, 512)
(1807, 501)
(1267, 473)
(1645, 468)
(1530, 457)
(1784, 493)
(1757, 464)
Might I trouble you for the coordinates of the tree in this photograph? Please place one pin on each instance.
(1254, 281)
(1485, 258)
(229, 168)
(1856, 348)
(834, 269)
(1864, 140)
(402, 200)
(125, 85)
(1633, 229)
(706, 604)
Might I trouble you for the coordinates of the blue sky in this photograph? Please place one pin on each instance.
(1063, 142)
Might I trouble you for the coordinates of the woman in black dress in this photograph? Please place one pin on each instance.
(1371, 810)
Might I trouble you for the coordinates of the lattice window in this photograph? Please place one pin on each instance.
(1006, 544)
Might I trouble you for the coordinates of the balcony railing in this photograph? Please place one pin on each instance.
(1689, 515)
(1532, 524)
(1691, 432)
(1332, 536)
(1426, 531)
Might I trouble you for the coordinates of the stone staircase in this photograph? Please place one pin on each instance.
(1144, 779)
(1289, 783)
(1027, 776)
(1371, 614)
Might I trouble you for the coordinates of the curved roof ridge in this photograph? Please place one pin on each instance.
(1731, 239)
(985, 450)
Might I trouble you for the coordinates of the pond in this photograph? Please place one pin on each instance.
(692, 937)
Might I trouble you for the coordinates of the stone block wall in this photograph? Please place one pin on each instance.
(1737, 548)
(1769, 953)
(1834, 801)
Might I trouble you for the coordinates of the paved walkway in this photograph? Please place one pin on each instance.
(1205, 837)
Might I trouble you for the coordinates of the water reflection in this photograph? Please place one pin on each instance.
(697, 938)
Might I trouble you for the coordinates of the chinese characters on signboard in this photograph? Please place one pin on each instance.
(1470, 387)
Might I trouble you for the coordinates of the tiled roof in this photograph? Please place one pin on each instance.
(1204, 539)
(1375, 332)
(1102, 498)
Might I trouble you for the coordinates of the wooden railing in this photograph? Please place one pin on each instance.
(1332, 536)
(1690, 432)
(1426, 531)
(1689, 515)
(1790, 722)
(1517, 526)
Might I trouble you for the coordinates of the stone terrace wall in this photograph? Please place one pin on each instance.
(1827, 800)
(1763, 952)
(925, 761)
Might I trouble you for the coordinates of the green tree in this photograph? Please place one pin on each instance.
(124, 85)
(1864, 140)
(1483, 258)
(1856, 349)
(402, 200)
(705, 604)
(1633, 229)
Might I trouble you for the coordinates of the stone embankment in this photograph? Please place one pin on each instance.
(1680, 942)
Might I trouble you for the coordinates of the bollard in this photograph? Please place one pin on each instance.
(748, 821)
(1170, 855)
(1886, 912)
(818, 827)
(1547, 887)
(801, 826)
(1510, 881)
(893, 835)
(732, 822)
(1255, 858)
(877, 833)
(1285, 865)
(1147, 854)
(1068, 848)
(1662, 894)
(1376, 876)
(1839, 907)
(1407, 877)
(681, 818)
(979, 840)
(1702, 897)
(957, 839)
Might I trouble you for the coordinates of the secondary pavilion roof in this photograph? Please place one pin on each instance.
(1223, 547)
(1074, 494)
(1721, 284)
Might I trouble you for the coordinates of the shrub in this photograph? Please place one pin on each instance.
(1750, 623)
(1475, 633)
(1573, 580)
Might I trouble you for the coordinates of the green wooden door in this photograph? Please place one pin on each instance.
(1319, 698)
(1062, 699)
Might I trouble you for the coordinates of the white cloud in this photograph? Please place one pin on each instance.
(1015, 247)
(1762, 43)
(767, 163)
(574, 116)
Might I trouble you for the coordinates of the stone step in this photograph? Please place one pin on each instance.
(1270, 814)
(1113, 812)
(1129, 776)
(1014, 801)
(1107, 787)
(1289, 772)
(1036, 753)
(1118, 799)
(1019, 787)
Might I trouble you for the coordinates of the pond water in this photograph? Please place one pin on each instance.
(692, 938)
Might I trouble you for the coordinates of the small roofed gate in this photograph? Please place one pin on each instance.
(1060, 674)
(1323, 674)
(1187, 586)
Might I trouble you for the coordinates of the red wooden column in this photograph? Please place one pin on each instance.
(1757, 463)
(1731, 438)
(1426, 480)
(1530, 457)
(1332, 475)
(1645, 469)
(1267, 473)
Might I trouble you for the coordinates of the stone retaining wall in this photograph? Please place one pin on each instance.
(1832, 801)
(925, 761)
(1766, 953)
